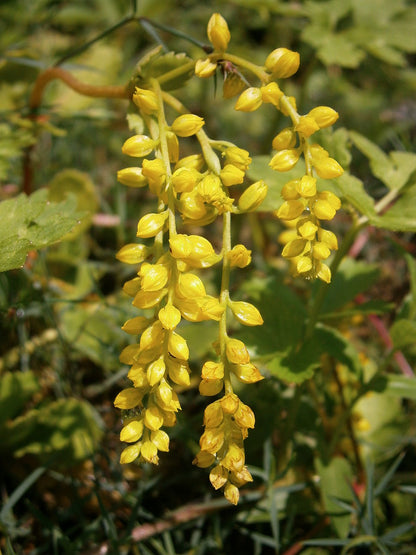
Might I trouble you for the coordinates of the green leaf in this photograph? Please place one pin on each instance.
(157, 65)
(333, 343)
(29, 223)
(402, 215)
(65, 431)
(352, 190)
(352, 277)
(297, 366)
(16, 389)
(401, 386)
(403, 333)
(335, 478)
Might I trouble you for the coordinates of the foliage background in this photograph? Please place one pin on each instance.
(63, 490)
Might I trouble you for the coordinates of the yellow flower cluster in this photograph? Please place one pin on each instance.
(198, 189)
(303, 205)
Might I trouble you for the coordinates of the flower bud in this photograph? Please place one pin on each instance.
(239, 256)
(249, 100)
(231, 175)
(229, 403)
(290, 190)
(212, 370)
(131, 287)
(208, 388)
(252, 197)
(271, 93)
(246, 313)
(132, 432)
(179, 372)
(189, 286)
(306, 186)
(294, 248)
(234, 458)
(213, 415)
(307, 126)
(204, 459)
(307, 230)
(327, 168)
(286, 139)
(160, 439)
(247, 373)
(133, 253)
(192, 206)
(210, 188)
(329, 238)
(231, 493)
(145, 100)
(238, 157)
(218, 476)
(320, 251)
(155, 371)
(333, 200)
(150, 224)
(303, 265)
(136, 325)
(212, 440)
(244, 416)
(237, 352)
(323, 210)
(153, 417)
(132, 177)
(155, 171)
(138, 146)
(285, 160)
(218, 32)
(187, 125)
(205, 68)
(153, 276)
(290, 210)
(177, 346)
(169, 316)
(282, 63)
(324, 116)
(324, 273)
(128, 398)
(148, 299)
(185, 179)
(193, 161)
(149, 452)
(130, 453)
(173, 147)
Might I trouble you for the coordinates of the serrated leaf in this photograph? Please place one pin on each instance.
(402, 215)
(16, 388)
(297, 366)
(158, 65)
(29, 223)
(64, 431)
(335, 478)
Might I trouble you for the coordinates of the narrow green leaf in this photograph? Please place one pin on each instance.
(401, 386)
(16, 388)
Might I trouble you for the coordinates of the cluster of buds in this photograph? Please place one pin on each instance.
(198, 188)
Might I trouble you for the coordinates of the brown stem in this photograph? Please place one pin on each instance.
(35, 101)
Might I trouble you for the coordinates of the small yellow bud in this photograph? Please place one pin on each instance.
(132, 432)
(205, 68)
(169, 316)
(189, 286)
(149, 452)
(192, 206)
(153, 276)
(239, 256)
(177, 346)
(185, 179)
(212, 370)
(238, 157)
(324, 273)
(218, 476)
(160, 439)
(138, 376)
(306, 187)
(290, 210)
(148, 299)
(187, 125)
(249, 100)
(290, 190)
(286, 139)
(153, 336)
(155, 371)
(229, 403)
(231, 175)
(218, 32)
(318, 152)
(329, 238)
(294, 248)
(252, 197)
(323, 210)
(133, 253)
(132, 177)
(212, 440)
(210, 308)
(307, 126)
(271, 93)
(169, 419)
(285, 160)
(333, 200)
(246, 313)
(327, 168)
(324, 116)
(145, 100)
(231, 493)
(320, 251)
(234, 458)
(209, 388)
(244, 416)
(242, 477)
(131, 287)
(213, 415)
(130, 453)
(204, 459)
(237, 352)
(307, 230)
(193, 161)
(192, 249)
(128, 398)
(179, 372)
(138, 146)
(303, 265)
(153, 417)
(173, 147)
(128, 356)
(135, 325)
(282, 63)
(150, 224)
(247, 373)
(210, 188)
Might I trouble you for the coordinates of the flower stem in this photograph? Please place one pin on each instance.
(224, 296)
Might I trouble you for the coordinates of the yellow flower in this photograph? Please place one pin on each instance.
(286, 139)
(169, 316)
(130, 453)
(212, 370)
(306, 187)
(239, 256)
(218, 32)
(150, 224)
(155, 371)
(324, 116)
(145, 100)
(246, 313)
(160, 439)
(177, 346)
(128, 398)
(282, 62)
(153, 276)
(132, 177)
(290, 210)
(238, 157)
(205, 68)
(138, 146)
(132, 432)
(247, 373)
(252, 197)
(133, 253)
(307, 126)
(204, 459)
(187, 125)
(327, 168)
(271, 93)
(231, 175)
(135, 325)
(185, 179)
(213, 415)
(285, 159)
(249, 100)
(231, 493)
(218, 476)
(237, 352)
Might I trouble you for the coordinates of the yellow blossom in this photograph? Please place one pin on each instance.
(218, 32)
(249, 100)
(282, 63)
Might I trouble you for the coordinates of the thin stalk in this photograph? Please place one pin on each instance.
(241, 62)
(224, 297)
